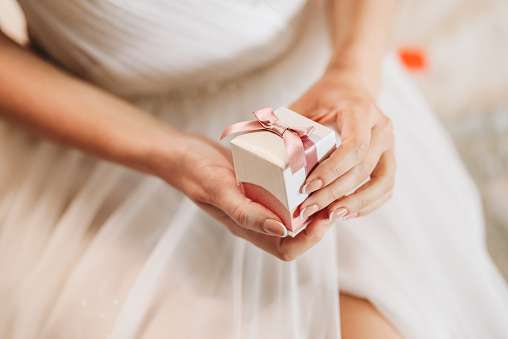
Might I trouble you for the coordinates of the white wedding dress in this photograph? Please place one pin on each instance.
(89, 249)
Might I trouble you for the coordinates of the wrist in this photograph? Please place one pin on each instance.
(355, 76)
(164, 151)
(358, 59)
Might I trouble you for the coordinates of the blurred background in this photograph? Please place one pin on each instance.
(457, 52)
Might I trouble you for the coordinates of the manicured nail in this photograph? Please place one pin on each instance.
(273, 227)
(312, 186)
(351, 216)
(308, 211)
(337, 214)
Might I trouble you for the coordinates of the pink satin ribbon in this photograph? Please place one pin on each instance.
(300, 149)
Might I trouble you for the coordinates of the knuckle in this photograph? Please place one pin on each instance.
(363, 170)
(315, 237)
(360, 203)
(212, 197)
(363, 105)
(200, 194)
(286, 256)
(387, 123)
(232, 228)
(370, 108)
(366, 211)
(208, 194)
(203, 198)
(358, 149)
(234, 231)
(333, 195)
(333, 173)
(390, 183)
(328, 171)
(387, 183)
(387, 126)
(240, 216)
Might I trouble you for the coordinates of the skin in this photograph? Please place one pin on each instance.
(347, 94)
(53, 104)
(360, 320)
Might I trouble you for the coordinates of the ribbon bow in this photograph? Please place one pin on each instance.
(294, 138)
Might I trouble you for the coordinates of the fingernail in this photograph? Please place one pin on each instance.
(312, 186)
(351, 216)
(308, 211)
(336, 214)
(273, 227)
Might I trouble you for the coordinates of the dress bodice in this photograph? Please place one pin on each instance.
(133, 46)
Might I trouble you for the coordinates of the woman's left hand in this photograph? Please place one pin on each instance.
(367, 148)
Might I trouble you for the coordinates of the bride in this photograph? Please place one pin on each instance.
(156, 239)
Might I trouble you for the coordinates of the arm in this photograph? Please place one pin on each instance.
(53, 104)
(346, 95)
(360, 31)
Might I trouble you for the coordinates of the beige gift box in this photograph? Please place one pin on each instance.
(262, 167)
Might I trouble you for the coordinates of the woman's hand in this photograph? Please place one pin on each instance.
(367, 150)
(51, 103)
(204, 172)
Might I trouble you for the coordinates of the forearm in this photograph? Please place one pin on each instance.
(53, 104)
(360, 31)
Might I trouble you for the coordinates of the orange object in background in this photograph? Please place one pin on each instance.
(413, 58)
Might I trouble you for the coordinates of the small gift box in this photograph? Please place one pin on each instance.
(274, 159)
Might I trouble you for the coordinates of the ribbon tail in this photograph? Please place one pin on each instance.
(244, 126)
(311, 155)
(295, 151)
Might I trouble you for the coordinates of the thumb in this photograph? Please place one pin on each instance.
(249, 214)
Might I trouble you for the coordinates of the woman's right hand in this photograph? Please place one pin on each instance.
(203, 170)
(51, 103)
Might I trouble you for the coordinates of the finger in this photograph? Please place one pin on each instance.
(286, 249)
(369, 209)
(378, 203)
(322, 115)
(304, 106)
(249, 214)
(367, 197)
(289, 248)
(356, 128)
(349, 181)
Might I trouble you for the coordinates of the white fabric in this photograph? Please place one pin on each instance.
(131, 46)
(89, 249)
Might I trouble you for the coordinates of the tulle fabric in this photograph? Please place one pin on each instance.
(89, 249)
